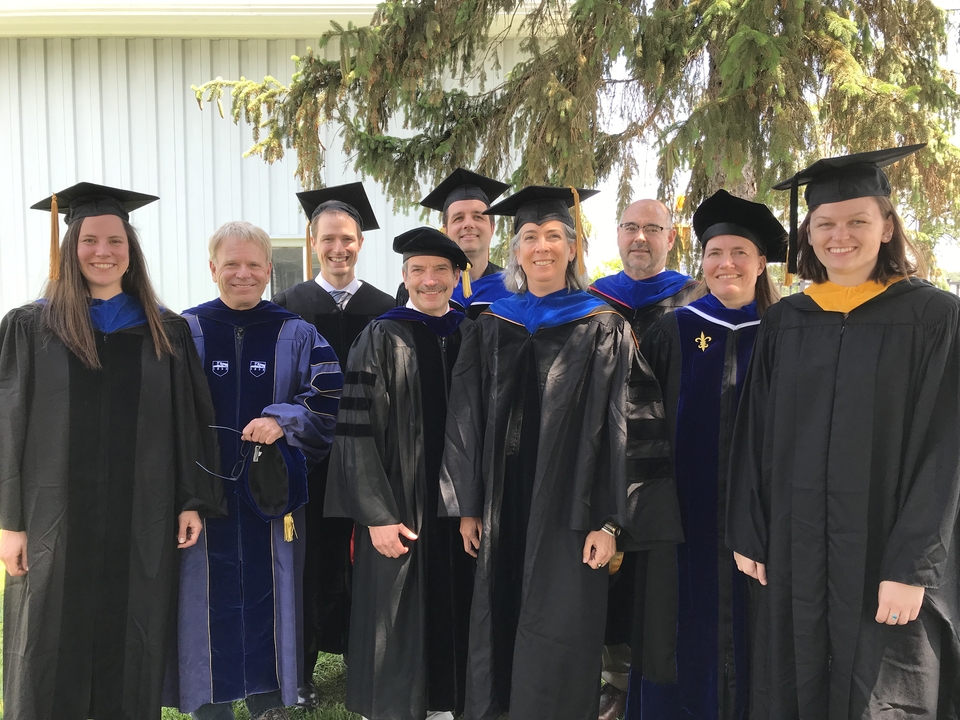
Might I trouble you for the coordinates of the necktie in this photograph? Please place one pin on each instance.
(340, 297)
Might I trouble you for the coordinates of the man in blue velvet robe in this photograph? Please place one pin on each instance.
(273, 380)
(642, 292)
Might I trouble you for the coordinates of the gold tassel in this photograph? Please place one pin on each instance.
(787, 279)
(308, 266)
(615, 562)
(581, 267)
(289, 529)
(465, 279)
(54, 239)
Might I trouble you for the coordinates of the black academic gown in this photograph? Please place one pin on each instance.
(699, 355)
(409, 622)
(326, 579)
(548, 436)
(471, 312)
(621, 603)
(95, 466)
(844, 472)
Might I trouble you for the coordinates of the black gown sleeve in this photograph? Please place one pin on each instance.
(917, 550)
(358, 485)
(748, 505)
(461, 473)
(652, 514)
(196, 440)
(15, 372)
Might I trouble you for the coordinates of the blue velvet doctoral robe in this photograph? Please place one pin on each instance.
(240, 609)
(700, 355)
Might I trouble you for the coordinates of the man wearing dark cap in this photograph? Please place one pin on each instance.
(412, 579)
(642, 292)
(461, 199)
(339, 305)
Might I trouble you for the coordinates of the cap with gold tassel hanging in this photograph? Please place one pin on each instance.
(54, 238)
(86, 200)
(308, 263)
(465, 281)
(541, 203)
(578, 227)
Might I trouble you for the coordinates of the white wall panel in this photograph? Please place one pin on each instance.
(120, 111)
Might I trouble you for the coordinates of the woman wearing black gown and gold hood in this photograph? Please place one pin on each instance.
(555, 443)
(845, 468)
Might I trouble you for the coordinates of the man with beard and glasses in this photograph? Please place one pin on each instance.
(642, 292)
(412, 581)
(461, 199)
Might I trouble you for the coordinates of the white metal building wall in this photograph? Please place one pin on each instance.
(120, 112)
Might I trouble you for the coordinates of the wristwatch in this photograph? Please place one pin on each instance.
(611, 529)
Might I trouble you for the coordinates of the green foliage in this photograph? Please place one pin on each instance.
(732, 93)
(607, 267)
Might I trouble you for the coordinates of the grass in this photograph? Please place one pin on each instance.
(329, 677)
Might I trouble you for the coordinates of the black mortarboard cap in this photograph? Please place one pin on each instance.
(89, 200)
(726, 214)
(840, 178)
(429, 241)
(539, 204)
(463, 185)
(350, 198)
(86, 200)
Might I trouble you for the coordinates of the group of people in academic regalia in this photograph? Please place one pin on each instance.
(506, 491)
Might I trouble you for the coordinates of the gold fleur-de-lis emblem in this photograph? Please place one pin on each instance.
(703, 342)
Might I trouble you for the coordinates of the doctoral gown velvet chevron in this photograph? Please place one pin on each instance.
(699, 355)
(327, 570)
(408, 626)
(95, 466)
(845, 471)
(554, 427)
(240, 610)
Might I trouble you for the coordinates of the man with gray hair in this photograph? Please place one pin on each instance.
(642, 292)
(275, 385)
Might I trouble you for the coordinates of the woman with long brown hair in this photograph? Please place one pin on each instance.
(103, 421)
(845, 468)
(699, 354)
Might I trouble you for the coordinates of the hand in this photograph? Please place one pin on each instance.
(598, 548)
(262, 430)
(13, 552)
(898, 603)
(757, 571)
(190, 528)
(471, 529)
(386, 539)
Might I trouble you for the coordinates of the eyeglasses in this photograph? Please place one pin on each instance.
(649, 230)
